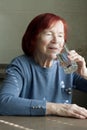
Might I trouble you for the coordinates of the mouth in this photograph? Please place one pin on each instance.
(53, 48)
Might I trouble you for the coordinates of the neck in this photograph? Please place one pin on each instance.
(43, 60)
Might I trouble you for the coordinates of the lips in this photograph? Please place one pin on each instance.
(53, 48)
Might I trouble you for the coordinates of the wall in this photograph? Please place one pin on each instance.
(16, 14)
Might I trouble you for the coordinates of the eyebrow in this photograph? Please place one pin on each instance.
(52, 31)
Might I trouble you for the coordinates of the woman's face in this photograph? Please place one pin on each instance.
(50, 41)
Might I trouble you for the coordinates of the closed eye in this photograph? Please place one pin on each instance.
(48, 33)
(60, 36)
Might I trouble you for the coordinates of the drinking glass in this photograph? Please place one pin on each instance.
(68, 66)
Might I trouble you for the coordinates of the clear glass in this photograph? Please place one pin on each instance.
(68, 66)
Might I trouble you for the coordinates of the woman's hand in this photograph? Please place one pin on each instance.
(66, 110)
(74, 56)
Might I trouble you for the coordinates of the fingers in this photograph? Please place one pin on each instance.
(83, 113)
(78, 112)
(74, 56)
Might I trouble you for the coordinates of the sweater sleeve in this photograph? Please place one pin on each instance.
(11, 103)
(79, 83)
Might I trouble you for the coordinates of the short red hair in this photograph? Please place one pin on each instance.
(38, 24)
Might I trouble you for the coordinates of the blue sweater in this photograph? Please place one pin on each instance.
(28, 86)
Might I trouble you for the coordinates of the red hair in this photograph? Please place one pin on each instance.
(38, 24)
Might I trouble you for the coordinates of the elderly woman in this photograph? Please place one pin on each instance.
(35, 83)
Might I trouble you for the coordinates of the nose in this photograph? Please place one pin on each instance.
(55, 39)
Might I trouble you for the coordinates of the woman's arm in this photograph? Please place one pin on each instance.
(14, 98)
(11, 103)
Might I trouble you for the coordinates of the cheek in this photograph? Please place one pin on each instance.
(41, 45)
(42, 42)
(62, 43)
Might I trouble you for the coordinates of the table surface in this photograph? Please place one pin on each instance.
(41, 123)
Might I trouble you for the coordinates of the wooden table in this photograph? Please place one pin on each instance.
(41, 123)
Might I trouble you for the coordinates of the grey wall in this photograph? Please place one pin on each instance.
(15, 15)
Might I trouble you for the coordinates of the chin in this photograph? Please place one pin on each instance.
(53, 57)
